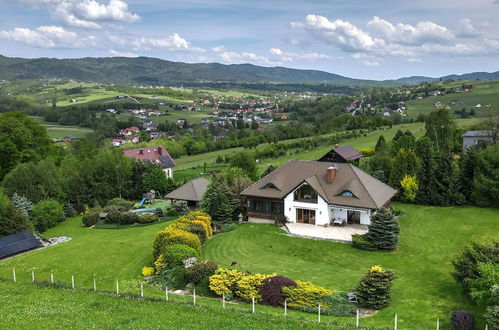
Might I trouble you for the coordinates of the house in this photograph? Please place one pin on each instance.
(155, 135)
(129, 131)
(472, 138)
(192, 192)
(318, 194)
(341, 154)
(117, 142)
(156, 155)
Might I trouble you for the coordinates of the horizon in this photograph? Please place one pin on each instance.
(355, 39)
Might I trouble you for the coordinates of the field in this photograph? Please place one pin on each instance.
(58, 131)
(423, 292)
(483, 93)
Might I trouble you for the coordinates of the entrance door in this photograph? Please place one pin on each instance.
(353, 217)
(305, 216)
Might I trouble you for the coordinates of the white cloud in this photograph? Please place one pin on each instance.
(174, 42)
(291, 56)
(47, 37)
(414, 60)
(86, 13)
(122, 54)
(370, 63)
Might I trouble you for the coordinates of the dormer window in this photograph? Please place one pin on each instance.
(305, 194)
(347, 193)
(270, 185)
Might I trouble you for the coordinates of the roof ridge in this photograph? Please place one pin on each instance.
(320, 185)
(364, 172)
(277, 169)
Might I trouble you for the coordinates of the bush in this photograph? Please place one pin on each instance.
(175, 254)
(159, 212)
(338, 305)
(128, 218)
(47, 214)
(173, 278)
(373, 290)
(171, 213)
(69, 210)
(206, 228)
(271, 289)
(180, 206)
(201, 270)
(462, 320)
(305, 294)
(147, 271)
(224, 281)
(359, 241)
(148, 218)
(203, 287)
(160, 263)
(195, 228)
(91, 217)
(367, 152)
(170, 236)
(120, 203)
(114, 214)
(23, 204)
(249, 287)
(12, 220)
(227, 227)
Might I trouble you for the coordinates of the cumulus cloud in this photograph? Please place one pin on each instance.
(47, 37)
(291, 56)
(370, 63)
(174, 42)
(86, 13)
(230, 56)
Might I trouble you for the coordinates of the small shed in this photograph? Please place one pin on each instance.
(192, 192)
(341, 154)
(18, 242)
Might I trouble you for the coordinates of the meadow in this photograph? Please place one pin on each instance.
(59, 131)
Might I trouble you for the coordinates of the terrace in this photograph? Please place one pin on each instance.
(331, 233)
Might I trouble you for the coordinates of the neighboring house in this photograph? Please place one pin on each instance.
(341, 154)
(117, 142)
(156, 155)
(192, 192)
(317, 193)
(472, 138)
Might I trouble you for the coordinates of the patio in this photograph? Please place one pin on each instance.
(332, 233)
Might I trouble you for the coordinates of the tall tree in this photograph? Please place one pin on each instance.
(440, 128)
(381, 144)
(427, 193)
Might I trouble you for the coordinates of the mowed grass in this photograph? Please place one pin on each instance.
(424, 291)
(483, 93)
(58, 131)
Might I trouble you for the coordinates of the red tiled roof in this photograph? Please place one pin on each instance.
(157, 155)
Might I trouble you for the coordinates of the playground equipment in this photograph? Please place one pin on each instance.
(148, 197)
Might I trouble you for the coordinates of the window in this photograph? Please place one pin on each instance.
(270, 185)
(266, 206)
(347, 193)
(305, 194)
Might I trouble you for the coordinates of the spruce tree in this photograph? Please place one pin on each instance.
(383, 230)
(373, 290)
(381, 144)
(470, 165)
(427, 194)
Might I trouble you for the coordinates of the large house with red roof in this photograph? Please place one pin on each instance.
(156, 155)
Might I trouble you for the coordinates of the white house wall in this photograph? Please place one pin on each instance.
(168, 172)
(321, 209)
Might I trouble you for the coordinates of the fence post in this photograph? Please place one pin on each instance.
(396, 322)
(253, 305)
(166, 293)
(72, 282)
(14, 274)
(285, 307)
(52, 277)
(194, 297)
(33, 276)
(223, 300)
(319, 313)
(357, 319)
(438, 324)
(95, 285)
(117, 288)
(486, 327)
(141, 290)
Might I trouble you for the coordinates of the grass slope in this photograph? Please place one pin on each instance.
(58, 131)
(424, 291)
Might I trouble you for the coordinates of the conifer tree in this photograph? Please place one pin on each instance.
(381, 144)
(383, 230)
(427, 194)
(373, 290)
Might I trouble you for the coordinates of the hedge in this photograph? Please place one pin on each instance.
(224, 281)
(170, 236)
(175, 254)
(249, 287)
(305, 294)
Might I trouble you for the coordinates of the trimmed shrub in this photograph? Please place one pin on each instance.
(128, 218)
(271, 290)
(462, 320)
(224, 281)
(173, 278)
(249, 287)
(188, 225)
(47, 214)
(170, 236)
(91, 217)
(147, 271)
(201, 270)
(114, 214)
(180, 206)
(175, 254)
(205, 226)
(373, 290)
(120, 203)
(338, 305)
(359, 241)
(69, 210)
(148, 218)
(171, 213)
(203, 287)
(227, 227)
(160, 263)
(305, 294)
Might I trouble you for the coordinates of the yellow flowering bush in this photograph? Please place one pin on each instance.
(147, 271)
(160, 263)
(207, 228)
(305, 294)
(224, 280)
(377, 269)
(249, 286)
(170, 236)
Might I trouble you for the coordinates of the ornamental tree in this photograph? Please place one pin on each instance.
(383, 230)
(373, 290)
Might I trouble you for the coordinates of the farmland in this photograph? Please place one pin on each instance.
(59, 131)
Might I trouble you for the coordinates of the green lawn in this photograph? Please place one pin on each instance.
(55, 130)
(424, 291)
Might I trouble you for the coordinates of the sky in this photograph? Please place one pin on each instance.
(369, 39)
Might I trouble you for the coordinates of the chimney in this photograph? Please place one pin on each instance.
(160, 150)
(336, 145)
(330, 174)
(141, 151)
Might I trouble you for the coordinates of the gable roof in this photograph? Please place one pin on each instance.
(157, 155)
(368, 191)
(477, 134)
(18, 242)
(347, 152)
(191, 191)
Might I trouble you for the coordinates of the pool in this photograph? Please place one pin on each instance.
(140, 211)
